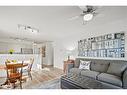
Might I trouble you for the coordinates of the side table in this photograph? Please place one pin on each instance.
(66, 64)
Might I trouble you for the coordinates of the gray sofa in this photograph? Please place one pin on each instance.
(110, 72)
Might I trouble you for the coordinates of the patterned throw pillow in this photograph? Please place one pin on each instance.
(84, 65)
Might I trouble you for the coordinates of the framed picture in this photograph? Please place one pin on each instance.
(110, 45)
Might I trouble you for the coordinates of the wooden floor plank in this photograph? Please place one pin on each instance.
(39, 77)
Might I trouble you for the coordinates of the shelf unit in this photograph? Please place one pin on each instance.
(110, 45)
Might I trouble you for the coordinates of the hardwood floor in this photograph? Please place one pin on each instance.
(41, 76)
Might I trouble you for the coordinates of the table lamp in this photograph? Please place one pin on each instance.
(69, 53)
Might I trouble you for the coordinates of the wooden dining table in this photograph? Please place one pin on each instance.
(16, 65)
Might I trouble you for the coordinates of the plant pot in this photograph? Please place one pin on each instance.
(11, 52)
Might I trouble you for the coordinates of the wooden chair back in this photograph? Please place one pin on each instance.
(30, 64)
(14, 72)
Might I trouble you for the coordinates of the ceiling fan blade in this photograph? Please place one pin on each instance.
(83, 8)
(98, 15)
(73, 18)
(82, 14)
(95, 14)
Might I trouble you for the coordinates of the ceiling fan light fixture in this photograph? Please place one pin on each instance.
(27, 28)
(88, 17)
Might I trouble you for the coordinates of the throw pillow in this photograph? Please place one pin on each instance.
(84, 65)
(116, 68)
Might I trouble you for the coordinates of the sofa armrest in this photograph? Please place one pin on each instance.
(69, 66)
(125, 79)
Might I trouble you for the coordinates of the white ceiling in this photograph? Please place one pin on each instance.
(53, 21)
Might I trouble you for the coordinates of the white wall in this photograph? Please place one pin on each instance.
(60, 46)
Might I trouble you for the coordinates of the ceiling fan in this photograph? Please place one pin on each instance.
(88, 13)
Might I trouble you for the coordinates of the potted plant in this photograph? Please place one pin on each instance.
(11, 51)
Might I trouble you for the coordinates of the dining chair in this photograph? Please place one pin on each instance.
(14, 73)
(29, 67)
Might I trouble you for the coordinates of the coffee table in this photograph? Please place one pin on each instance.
(74, 81)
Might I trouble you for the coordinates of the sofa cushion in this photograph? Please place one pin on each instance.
(116, 68)
(84, 65)
(75, 71)
(91, 74)
(108, 78)
(99, 66)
